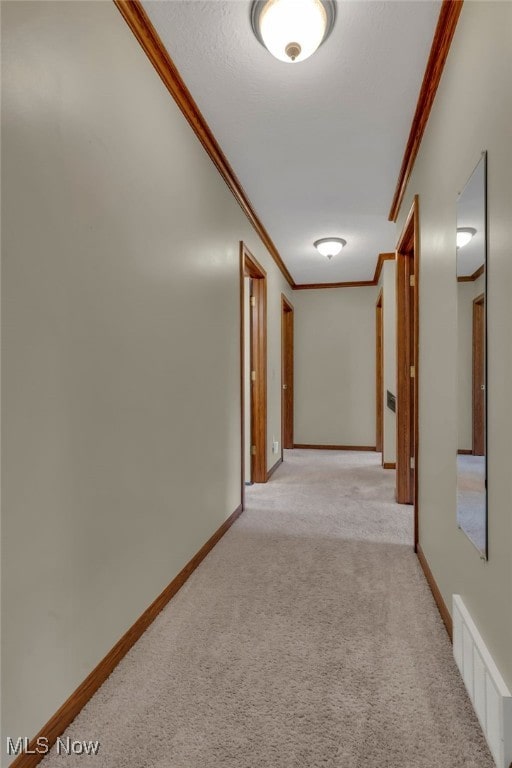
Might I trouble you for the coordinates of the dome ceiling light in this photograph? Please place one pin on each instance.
(465, 235)
(292, 30)
(330, 246)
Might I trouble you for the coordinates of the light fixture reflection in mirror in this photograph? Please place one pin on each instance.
(471, 241)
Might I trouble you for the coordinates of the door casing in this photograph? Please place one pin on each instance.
(249, 267)
(407, 313)
(479, 375)
(287, 362)
(379, 384)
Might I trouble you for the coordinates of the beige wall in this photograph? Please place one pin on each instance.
(120, 344)
(335, 366)
(388, 283)
(472, 112)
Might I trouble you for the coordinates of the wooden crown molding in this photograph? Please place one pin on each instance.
(354, 284)
(147, 36)
(316, 286)
(139, 23)
(380, 263)
(445, 29)
(471, 278)
(316, 447)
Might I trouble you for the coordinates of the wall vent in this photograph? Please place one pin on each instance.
(490, 696)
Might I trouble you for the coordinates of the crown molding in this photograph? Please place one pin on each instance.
(380, 263)
(138, 21)
(445, 29)
(316, 286)
(471, 278)
(141, 26)
(354, 284)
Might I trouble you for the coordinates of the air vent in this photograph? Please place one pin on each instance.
(490, 696)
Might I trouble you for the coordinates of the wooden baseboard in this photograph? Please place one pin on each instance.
(465, 452)
(273, 469)
(389, 465)
(56, 726)
(335, 447)
(441, 605)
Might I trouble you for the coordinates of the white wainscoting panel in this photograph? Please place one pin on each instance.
(490, 696)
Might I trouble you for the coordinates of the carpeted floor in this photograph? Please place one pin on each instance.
(308, 638)
(472, 499)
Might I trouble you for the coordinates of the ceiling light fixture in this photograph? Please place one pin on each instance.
(464, 236)
(330, 246)
(292, 30)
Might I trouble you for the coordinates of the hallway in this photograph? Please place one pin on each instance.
(308, 637)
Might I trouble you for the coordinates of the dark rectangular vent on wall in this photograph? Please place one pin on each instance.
(391, 401)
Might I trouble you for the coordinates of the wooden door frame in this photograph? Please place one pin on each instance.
(407, 349)
(286, 309)
(478, 301)
(249, 267)
(379, 375)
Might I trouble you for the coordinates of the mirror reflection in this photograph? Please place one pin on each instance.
(471, 392)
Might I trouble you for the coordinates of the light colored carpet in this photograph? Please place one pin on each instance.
(308, 638)
(472, 498)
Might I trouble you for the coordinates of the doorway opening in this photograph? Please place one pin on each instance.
(286, 374)
(407, 274)
(253, 349)
(379, 368)
(479, 376)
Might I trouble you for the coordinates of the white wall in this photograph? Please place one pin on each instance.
(472, 112)
(335, 366)
(120, 346)
(388, 282)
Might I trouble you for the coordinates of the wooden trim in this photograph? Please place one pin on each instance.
(380, 263)
(287, 374)
(389, 465)
(407, 354)
(465, 452)
(478, 374)
(335, 447)
(379, 374)
(353, 284)
(317, 286)
(470, 278)
(251, 268)
(445, 29)
(478, 272)
(242, 375)
(141, 26)
(273, 469)
(64, 716)
(436, 592)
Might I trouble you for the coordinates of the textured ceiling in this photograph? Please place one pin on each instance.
(317, 145)
(471, 213)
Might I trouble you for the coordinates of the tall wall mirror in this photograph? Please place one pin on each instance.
(472, 358)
